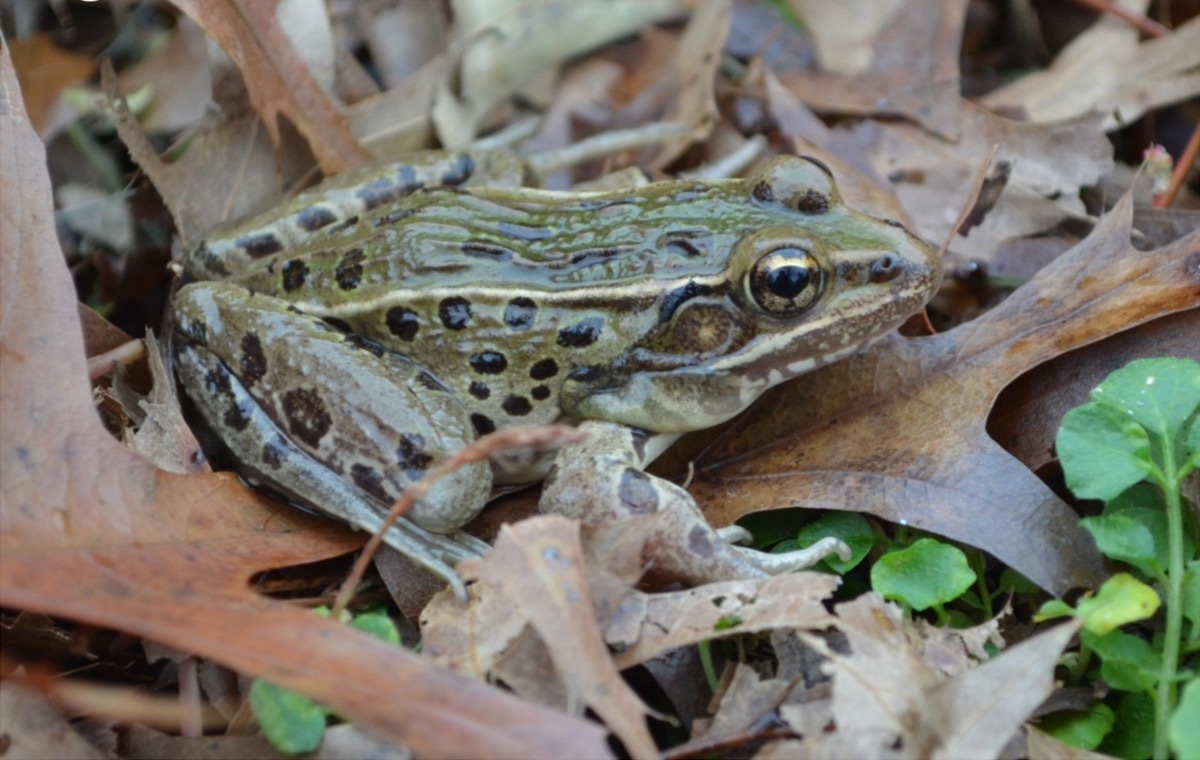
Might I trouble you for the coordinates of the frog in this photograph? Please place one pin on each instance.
(347, 343)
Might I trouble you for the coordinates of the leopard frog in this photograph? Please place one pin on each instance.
(343, 345)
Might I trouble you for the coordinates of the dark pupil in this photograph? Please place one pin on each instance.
(788, 281)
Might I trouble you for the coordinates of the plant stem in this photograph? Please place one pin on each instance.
(704, 648)
(1167, 688)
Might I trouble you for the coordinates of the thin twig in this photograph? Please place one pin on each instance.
(536, 438)
(1146, 26)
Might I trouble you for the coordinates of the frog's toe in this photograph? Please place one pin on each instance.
(786, 562)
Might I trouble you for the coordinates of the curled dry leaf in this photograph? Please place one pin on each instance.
(888, 701)
(539, 567)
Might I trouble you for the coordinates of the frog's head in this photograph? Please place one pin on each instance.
(812, 282)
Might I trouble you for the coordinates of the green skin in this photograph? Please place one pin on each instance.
(340, 364)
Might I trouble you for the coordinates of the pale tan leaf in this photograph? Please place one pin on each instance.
(669, 620)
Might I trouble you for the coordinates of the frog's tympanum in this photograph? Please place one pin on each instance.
(345, 344)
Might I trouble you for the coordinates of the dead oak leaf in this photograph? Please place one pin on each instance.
(913, 68)
(91, 532)
(278, 81)
(899, 432)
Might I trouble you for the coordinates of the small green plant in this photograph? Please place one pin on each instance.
(293, 723)
(1132, 447)
(915, 570)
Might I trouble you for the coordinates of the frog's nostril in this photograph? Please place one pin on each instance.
(884, 268)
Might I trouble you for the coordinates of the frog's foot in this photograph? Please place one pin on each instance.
(785, 562)
(600, 481)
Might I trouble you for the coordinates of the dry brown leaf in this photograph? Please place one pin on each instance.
(888, 701)
(1050, 164)
(44, 71)
(400, 119)
(744, 705)
(975, 713)
(820, 443)
(691, 77)
(879, 686)
(913, 71)
(91, 532)
(179, 78)
(670, 620)
(504, 45)
(278, 81)
(201, 189)
(35, 728)
(1025, 417)
(845, 34)
(1107, 71)
(539, 566)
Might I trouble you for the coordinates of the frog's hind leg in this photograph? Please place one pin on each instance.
(329, 421)
(601, 480)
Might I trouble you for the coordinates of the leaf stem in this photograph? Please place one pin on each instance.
(1167, 687)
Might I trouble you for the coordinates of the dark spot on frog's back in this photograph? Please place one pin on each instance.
(314, 218)
(307, 416)
(637, 492)
(460, 171)
(543, 369)
(379, 192)
(479, 390)
(411, 454)
(581, 334)
(349, 269)
(488, 362)
(369, 480)
(540, 392)
(482, 424)
(516, 406)
(520, 313)
(455, 312)
(254, 361)
(295, 275)
(402, 322)
(262, 244)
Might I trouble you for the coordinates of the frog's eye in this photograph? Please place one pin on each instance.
(795, 183)
(785, 281)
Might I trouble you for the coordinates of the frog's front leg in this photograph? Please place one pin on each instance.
(601, 480)
(329, 420)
